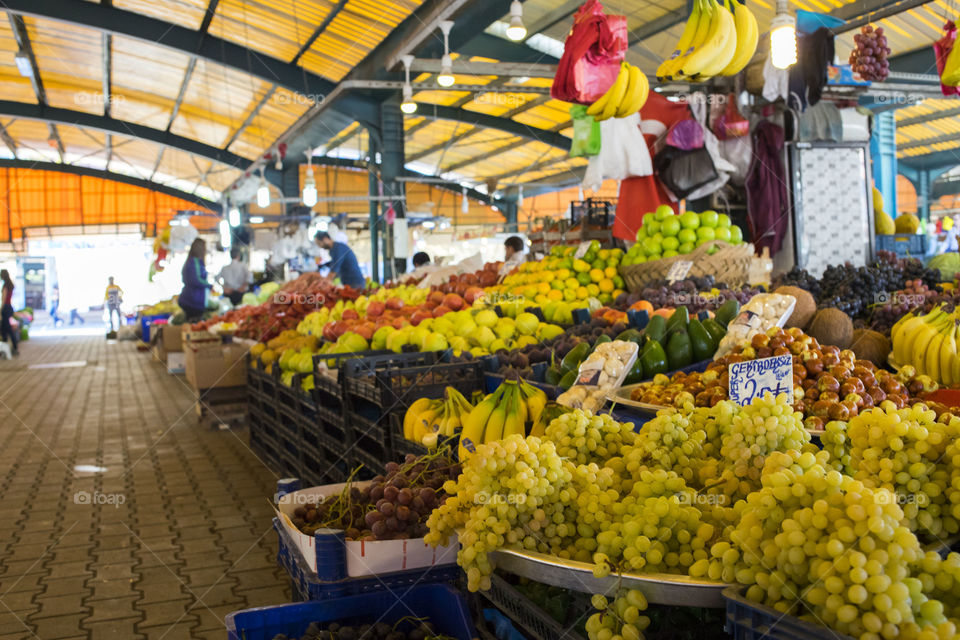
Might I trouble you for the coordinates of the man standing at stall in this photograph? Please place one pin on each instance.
(113, 297)
(343, 262)
(513, 255)
(235, 277)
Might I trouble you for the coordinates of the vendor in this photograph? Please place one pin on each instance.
(343, 262)
(513, 254)
(235, 277)
(420, 259)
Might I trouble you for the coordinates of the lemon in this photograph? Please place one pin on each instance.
(606, 285)
(596, 275)
(557, 284)
(610, 272)
(555, 294)
(569, 294)
(582, 293)
(593, 289)
(581, 266)
(543, 287)
(563, 274)
(571, 283)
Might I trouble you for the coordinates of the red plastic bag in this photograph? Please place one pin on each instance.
(591, 55)
(941, 49)
(731, 124)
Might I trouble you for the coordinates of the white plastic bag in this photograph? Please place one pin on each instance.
(603, 371)
(623, 153)
(776, 82)
(698, 107)
(763, 312)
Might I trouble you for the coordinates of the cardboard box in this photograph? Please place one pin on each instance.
(363, 558)
(172, 337)
(176, 362)
(212, 364)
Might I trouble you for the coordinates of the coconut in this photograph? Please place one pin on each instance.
(832, 326)
(871, 345)
(805, 308)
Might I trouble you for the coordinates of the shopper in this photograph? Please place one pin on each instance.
(6, 311)
(513, 254)
(343, 262)
(54, 305)
(193, 297)
(420, 259)
(114, 298)
(235, 277)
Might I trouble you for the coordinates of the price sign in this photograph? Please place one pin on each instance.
(753, 378)
(679, 270)
(582, 250)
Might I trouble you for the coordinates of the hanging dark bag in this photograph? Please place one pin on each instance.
(683, 172)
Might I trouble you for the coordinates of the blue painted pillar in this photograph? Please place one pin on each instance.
(923, 194)
(883, 149)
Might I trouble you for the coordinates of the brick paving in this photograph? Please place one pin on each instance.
(182, 532)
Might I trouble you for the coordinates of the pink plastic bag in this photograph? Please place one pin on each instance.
(941, 49)
(591, 55)
(731, 124)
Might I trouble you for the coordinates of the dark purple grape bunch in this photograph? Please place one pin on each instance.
(869, 55)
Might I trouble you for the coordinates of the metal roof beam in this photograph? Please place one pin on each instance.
(936, 115)
(506, 125)
(208, 17)
(530, 169)
(8, 139)
(187, 74)
(443, 145)
(108, 175)
(250, 116)
(54, 115)
(471, 68)
(863, 12)
(553, 17)
(107, 41)
(657, 25)
(319, 30)
(430, 25)
(20, 34)
(926, 142)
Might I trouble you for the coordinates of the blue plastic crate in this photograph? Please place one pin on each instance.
(748, 620)
(903, 244)
(308, 585)
(146, 321)
(443, 606)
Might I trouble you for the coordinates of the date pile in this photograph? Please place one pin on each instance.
(394, 506)
(829, 384)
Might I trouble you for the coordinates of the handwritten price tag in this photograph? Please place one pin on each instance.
(679, 270)
(753, 378)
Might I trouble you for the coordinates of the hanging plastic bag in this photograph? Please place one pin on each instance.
(942, 49)
(698, 107)
(586, 133)
(684, 171)
(623, 153)
(731, 124)
(686, 134)
(592, 55)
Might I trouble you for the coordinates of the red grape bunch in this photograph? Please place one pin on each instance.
(869, 56)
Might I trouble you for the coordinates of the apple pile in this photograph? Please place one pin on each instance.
(665, 234)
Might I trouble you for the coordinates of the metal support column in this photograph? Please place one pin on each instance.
(374, 222)
(923, 194)
(392, 160)
(883, 150)
(509, 208)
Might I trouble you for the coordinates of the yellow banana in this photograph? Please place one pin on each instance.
(421, 425)
(931, 357)
(948, 355)
(903, 351)
(498, 417)
(514, 422)
(748, 34)
(536, 400)
(898, 325)
(707, 9)
(617, 92)
(668, 67)
(632, 93)
(924, 338)
(603, 102)
(474, 425)
(718, 48)
(415, 410)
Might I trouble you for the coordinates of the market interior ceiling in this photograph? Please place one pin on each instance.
(187, 94)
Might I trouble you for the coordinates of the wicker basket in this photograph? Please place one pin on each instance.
(730, 264)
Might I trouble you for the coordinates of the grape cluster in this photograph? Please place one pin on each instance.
(697, 294)
(620, 618)
(583, 437)
(915, 294)
(869, 54)
(406, 629)
(835, 442)
(904, 452)
(394, 506)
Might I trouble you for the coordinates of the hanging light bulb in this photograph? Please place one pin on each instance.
(408, 106)
(516, 31)
(783, 37)
(224, 234)
(234, 217)
(464, 203)
(310, 189)
(446, 79)
(263, 193)
(520, 196)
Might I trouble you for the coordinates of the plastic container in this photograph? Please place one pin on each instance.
(402, 446)
(146, 321)
(443, 606)
(360, 374)
(307, 585)
(903, 244)
(534, 621)
(748, 620)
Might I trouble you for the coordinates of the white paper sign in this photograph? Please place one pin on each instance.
(679, 270)
(582, 250)
(753, 378)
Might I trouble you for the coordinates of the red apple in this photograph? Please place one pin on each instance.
(394, 303)
(375, 309)
(472, 294)
(453, 301)
(419, 316)
(365, 329)
(441, 310)
(349, 314)
(436, 296)
(400, 323)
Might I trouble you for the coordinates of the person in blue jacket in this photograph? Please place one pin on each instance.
(193, 298)
(343, 262)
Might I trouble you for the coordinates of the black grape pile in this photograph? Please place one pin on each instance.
(408, 629)
(392, 507)
(690, 292)
(798, 277)
(869, 55)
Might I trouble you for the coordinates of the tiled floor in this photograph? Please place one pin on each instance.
(119, 516)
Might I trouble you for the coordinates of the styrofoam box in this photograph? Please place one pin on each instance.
(177, 362)
(363, 558)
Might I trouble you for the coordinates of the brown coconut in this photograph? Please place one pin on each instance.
(805, 308)
(871, 345)
(831, 326)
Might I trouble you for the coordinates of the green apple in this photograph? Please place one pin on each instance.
(482, 337)
(690, 220)
(627, 261)
(651, 246)
(736, 235)
(723, 220)
(641, 234)
(662, 212)
(709, 218)
(706, 233)
(686, 247)
(722, 233)
(434, 342)
(658, 237)
(505, 329)
(639, 259)
(687, 236)
(652, 226)
(486, 318)
(669, 254)
(655, 256)
(670, 244)
(670, 226)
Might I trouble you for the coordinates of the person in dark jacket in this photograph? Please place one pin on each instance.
(6, 311)
(193, 298)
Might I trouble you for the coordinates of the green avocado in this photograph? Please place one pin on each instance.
(568, 379)
(552, 375)
(653, 359)
(600, 340)
(631, 335)
(727, 312)
(701, 342)
(571, 361)
(679, 351)
(635, 374)
(656, 329)
(679, 320)
(715, 330)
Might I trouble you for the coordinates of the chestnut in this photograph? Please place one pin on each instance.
(890, 385)
(855, 398)
(760, 340)
(813, 423)
(775, 343)
(800, 371)
(878, 395)
(830, 396)
(809, 383)
(764, 352)
(811, 393)
(840, 371)
(848, 356)
(814, 366)
(866, 401)
(827, 382)
(821, 408)
(839, 411)
(830, 359)
(781, 351)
